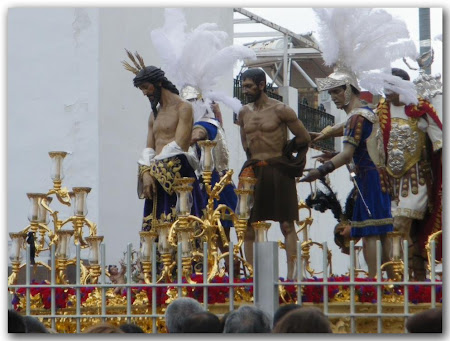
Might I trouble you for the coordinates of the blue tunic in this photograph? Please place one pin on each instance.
(227, 196)
(357, 130)
(167, 202)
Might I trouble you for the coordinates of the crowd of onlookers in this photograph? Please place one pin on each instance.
(186, 315)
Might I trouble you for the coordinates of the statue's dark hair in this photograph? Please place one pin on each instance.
(257, 75)
(354, 90)
(400, 73)
(154, 75)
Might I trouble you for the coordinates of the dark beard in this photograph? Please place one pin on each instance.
(156, 99)
(253, 98)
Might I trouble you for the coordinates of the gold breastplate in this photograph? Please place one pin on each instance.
(404, 149)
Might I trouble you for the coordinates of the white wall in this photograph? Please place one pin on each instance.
(52, 104)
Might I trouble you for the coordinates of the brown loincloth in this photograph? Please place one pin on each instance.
(275, 196)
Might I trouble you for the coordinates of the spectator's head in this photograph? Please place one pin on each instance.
(303, 320)
(103, 328)
(428, 321)
(223, 319)
(282, 311)
(247, 319)
(130, 328)
(202, 322)
(16, 322)
(34, 325)
(178, 311)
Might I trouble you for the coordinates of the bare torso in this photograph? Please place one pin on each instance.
(173, 123)
(265, 132)
(164, 127)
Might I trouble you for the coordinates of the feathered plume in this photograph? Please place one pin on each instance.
(323, 201)
(366, 40)
(198, 58)
(327, 200)
(166, 41)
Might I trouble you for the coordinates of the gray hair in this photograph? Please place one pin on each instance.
(247, 319)
(178, 311)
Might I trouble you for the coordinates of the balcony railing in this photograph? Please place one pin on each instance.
(315, 120)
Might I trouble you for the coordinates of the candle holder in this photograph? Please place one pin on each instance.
(261, 228)
(247, 183)
(38, 218)
(396, 238)
(147, 240)
(33, 214)
(62, 254)
(57, 175)
(184, 234)
(396, 262)
(207, 159)
(94, 257)
(183, 188)
(80, 193)
(165, 249)
(244, 203)
(16, 255)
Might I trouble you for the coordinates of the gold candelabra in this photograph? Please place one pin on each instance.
(307, 243)
(42, 236)
(192, 231)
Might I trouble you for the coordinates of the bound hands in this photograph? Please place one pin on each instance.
(315, 137)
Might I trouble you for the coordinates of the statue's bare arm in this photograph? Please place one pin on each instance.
(345, 156)
(198, 134)
(242, 132)
(288, 116)
(150, 136)
(184, 127)
(148, 182)
(335, 131)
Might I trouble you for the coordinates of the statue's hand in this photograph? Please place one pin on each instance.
(311, 176)
(149, 185)
(315, 136)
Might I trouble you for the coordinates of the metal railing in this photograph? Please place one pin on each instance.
(266, 285)
(315, 120)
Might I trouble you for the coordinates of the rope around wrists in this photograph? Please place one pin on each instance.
(326, 168)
